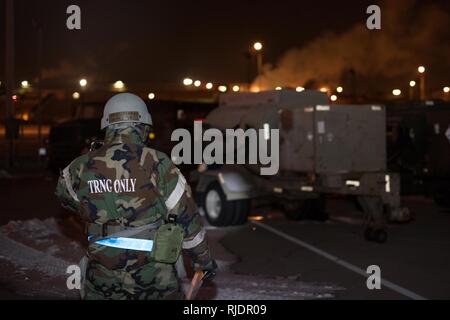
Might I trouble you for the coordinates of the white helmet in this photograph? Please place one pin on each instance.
(125, 107)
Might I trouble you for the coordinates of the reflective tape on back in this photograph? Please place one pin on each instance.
(127, 243)
(177, 193)
(66, 176)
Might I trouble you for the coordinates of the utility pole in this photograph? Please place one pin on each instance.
(9, 81)
(39, 115)
(421, 71)
(248, 56)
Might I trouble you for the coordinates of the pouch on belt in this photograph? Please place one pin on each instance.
(167, 243)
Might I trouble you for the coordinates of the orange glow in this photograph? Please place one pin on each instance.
(254, 88)
(25, 117)
(256, 218)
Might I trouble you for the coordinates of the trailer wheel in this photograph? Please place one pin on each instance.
(221, 212)
(241, 210)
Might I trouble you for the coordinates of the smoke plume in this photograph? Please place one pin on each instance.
(372, 61)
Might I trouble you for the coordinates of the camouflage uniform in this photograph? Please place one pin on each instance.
(114, 273)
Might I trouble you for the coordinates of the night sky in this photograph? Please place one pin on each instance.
(161, 42)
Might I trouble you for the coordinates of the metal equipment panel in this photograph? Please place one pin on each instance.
(350, 139)
(296, 139)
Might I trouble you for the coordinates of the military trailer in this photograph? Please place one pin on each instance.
(324, 150)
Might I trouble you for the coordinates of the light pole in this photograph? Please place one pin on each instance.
(421, 71)
(9, 81)
(446, 91)
(257, 47)
(412, 84)
(40, 40)
(83, 84)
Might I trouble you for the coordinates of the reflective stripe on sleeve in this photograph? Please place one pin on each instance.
(189, 244)
(176, 194)
(66, 176)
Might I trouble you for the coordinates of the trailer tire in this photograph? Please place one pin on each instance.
(241, 210)
(221, 212)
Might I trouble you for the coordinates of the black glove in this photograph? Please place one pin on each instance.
(209, 270)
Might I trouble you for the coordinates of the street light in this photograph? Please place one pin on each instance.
(333, 98)
(209, 86)
(188, 81)
(222, 88)
(83, 83)
(75, 95)
(25, 84)
(396, 92)
(278, 88)
(299, 89)
(151, 96)
(421, 69)
(257, 46)
(197, 83)
(339, 89)
(236, 88)
(412, 84)
(119, 85)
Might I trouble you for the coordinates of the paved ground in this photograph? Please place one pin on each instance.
(270, 258)
(416, 256)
